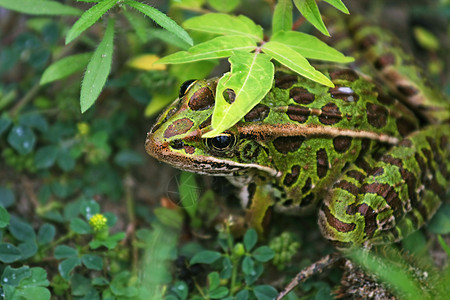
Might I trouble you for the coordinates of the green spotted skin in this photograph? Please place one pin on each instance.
(375, 161)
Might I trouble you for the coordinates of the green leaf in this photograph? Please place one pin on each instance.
(242, 295)
(224, 6)
(161, 19)
(22, 139)
(65, 67)
(339, 5)
(9, 253)
(4, 217)
(40, 7)
(223, 24)
(67, 265)
(28, 248)
(98, 69)
(213, 281)
(34, 120)
(38, 278)
(110, 242)
(46, 234)
(222, 46)
(205, 257)
(189, 195)
(6, 197)
(88, 18)
(218, 293)
(21, 230)
(250, 79)
(35, 293)
(63, 251)
(80, 226)
(65, 160)
(5, 121)
(309, 9)
(92, 262)
(440, 223)
(310, 47)
(250, 239)
(282, 16)
(45, 157)
(265, 292)
(181, 289)
(248, 265)
(89, 207)
(263, 254)
(444, 245)
(12, 276)
(295, 61)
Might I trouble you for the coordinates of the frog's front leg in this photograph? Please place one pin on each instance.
(382, 200)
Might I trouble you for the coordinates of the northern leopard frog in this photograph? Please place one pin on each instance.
(374, 152)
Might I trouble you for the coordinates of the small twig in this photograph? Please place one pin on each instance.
(315, 268)
(298, 22)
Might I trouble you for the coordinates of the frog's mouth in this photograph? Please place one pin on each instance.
(201, 164)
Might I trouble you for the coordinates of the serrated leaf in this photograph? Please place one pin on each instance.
(309, 9)
(40, 7)
(219, 47)
(295, 61)
(63, 251)
(92, 262)
(224, 6)
(4, 217)
(310, 47)
(46, 234)
(22, 139)
(98, 69)
(223, 24)
(282, 16)
(45, 157)
(338, 4)
(161, 19)
(251, 79)
(88, 18)
(65, 67)
(250, 239)
(205, 257)
(9, 253)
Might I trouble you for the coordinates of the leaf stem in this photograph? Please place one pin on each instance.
(298, 23)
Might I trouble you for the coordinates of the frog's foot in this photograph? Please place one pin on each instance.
(315, 268)
(381, 200)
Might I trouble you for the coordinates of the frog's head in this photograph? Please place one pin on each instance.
(176, 138)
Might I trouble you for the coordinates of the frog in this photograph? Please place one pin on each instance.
(370, 155)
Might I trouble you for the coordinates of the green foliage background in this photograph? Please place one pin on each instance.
(162, 235)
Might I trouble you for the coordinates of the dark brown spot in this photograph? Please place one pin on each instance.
(301, 95)
(376, 115)
(347, 186)
(201, 99)
(178, 127)
(443, 142)
(344, 93)
(405, 126)
(356, 175)
(344, 74)
(385, 60)
(322, 163)
(205, 123)
(370, 217)
(330, 114)
(286, 144)
(177, 144)
(251, 189)
(189, 149)
(258, 113)
(335, 222)
(388, 193)
(406, 143)
(342, 143)
(292, 177)
(285, 81)
(368, 41)
(407, 90)
(229, 95)
(250, 152)
(307, 200)
(307, 186)
(384, 98)
(298, 113)
(288, 202)
(377, 172)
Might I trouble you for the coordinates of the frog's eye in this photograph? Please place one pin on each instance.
(221, 142)
(185, 86)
